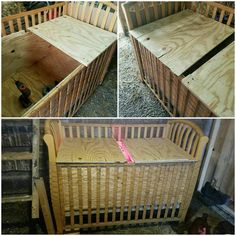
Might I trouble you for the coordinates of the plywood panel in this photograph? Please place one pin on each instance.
(90, 150)
(156, 149)
(213, 82)
(79, 40)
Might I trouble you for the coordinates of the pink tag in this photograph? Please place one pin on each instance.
(125, 151)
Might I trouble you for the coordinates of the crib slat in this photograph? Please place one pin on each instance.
(77, 10)
(132, 132)
(115, 194)
(98, 169)
(44, 16)
(178, 190)
(214, 13)
(146, 11)
(106, 132)
(188, 184)
(33, 19)
(39, 18)
(126, 132)
(105, 17)
(155, 189)
(194, 147)
(151, 132)
(61, 191)
(124, 181)
(190, 142)
(98, 13)
(221, 16)
(140, 183)
(155, 8)
(85, 131)
(11, 26)
(147, 192)
(139, 132)
(207, 10)
(59, 11)
(131, 191)
(163, 181)
(107, 179)
(179, 142)
(230, 19)
(172, 179)
(80, 194)
(54, 12)
(113, 21)
(90, 12)
(176, 7)
(84, 10)
(145, 132)
(92, 132)
(19, 24)
(71, 198)
(99, 132)
(70, 132)
(78, 131)
(138, 16)
(178, 134)
(89, 195)
(163, 9)
(169, 8)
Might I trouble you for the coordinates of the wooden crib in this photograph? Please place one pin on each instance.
(185, 54)
(65, 47)
(93, 184)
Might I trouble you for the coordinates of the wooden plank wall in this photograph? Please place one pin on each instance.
(221, 166)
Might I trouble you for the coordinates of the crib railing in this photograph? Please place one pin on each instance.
(103, 195)
(216, 11)
(139, 131)
(188, 136)
(24, 20)
(99, 14)
(141, 13)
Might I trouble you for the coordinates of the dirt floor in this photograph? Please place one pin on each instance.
(103, 102)
(135, 98)
(16, 220)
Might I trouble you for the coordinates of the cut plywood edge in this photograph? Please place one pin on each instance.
(81, 41)
(213, 82)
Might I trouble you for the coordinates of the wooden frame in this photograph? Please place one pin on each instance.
(68, 96)
(98, 194)
(166, 85)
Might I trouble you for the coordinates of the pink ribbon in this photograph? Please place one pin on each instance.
(125, 151)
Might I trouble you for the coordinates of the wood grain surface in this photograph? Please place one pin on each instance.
(89, 150)
(213, 82)
(180, 40)
(155, 149)
(79, 40)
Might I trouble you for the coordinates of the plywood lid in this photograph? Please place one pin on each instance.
(81, 41)
(155, 149)
(90, 150)
(182, 39)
